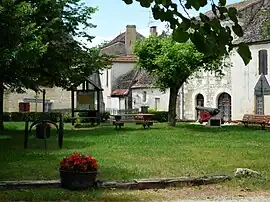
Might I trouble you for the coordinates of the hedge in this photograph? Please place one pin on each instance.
(53, 116)
(22, 116)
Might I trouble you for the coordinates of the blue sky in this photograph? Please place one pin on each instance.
(113, 16)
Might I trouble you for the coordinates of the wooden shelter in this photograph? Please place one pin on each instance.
(87, 100)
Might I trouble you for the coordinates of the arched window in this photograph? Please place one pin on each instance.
(225, 107)
(263, 62)
(199, 102)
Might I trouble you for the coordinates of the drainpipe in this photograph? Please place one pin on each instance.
(183, 102)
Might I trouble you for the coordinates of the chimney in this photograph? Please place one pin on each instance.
(130, 38)
(153, 30)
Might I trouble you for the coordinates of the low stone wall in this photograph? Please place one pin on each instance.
(134, 184)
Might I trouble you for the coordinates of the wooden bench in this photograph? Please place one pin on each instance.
(256, 119)
(118, 124)
(144, 123)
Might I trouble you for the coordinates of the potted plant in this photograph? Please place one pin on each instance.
(78, 171)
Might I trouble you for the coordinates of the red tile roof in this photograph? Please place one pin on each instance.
(130, 58)
(119, 92)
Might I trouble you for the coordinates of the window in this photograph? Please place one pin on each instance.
(199, 102)
(144, 96)
(157, 103)
(107, 78)
(263, 62)
(48, 106)
(259, 105)
(24, 107)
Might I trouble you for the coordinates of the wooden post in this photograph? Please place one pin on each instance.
(26, 133)
(98, 105)
(43, 100)
(72, 106)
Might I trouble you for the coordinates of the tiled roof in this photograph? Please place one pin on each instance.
(131, 58)
(252, 19)
(239, 6)
(117, 45)
(143, 79)
(119, 92)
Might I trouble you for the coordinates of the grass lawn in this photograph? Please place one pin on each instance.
(133, 152)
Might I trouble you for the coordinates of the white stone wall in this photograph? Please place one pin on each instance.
(244, 79)
(151, 94)
(114, 72)
(209, 86)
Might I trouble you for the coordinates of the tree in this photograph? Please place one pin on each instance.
(207, 33)
(38, 46)
(172, 63)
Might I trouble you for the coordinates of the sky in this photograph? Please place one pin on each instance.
(113, 16)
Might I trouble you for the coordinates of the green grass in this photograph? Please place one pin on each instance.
(132, 153)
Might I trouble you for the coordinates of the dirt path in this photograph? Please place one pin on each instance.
(212, 193)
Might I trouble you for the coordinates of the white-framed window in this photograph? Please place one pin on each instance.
(144, 96)
(157, 103)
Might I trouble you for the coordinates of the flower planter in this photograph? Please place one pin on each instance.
(77, 180)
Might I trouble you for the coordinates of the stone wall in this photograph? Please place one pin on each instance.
(61, 99)
(207, 84)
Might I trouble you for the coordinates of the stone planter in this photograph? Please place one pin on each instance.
(77, 180)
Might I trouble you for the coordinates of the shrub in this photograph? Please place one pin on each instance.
(105, 116)
(160, 116)
(32, 116)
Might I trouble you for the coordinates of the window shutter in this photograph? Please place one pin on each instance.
(263, 63)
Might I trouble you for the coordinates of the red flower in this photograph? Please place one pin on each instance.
(77, 162)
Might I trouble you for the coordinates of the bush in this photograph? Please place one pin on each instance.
(32, 116)
(67, 118)
(105, 116)
(160, 116)
(84, 114)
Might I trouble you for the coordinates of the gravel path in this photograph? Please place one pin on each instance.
(223, 199)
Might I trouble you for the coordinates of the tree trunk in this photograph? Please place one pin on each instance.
(1, 107)
(172, 106)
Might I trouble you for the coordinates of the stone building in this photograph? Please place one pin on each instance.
(125, 85)
(235, 94)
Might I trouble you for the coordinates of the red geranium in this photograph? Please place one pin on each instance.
(78, 162)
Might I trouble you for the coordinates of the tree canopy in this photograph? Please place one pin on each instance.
(208, 34)
(38, 45)
(172, 63)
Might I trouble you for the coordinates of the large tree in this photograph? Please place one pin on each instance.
(172, 63)
(208, 34)
(38, 46)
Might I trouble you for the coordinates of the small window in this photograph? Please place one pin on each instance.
(24, 107)
(263, 63)
(107, 78)
(157, 103)
(48, 106)
(144, 96)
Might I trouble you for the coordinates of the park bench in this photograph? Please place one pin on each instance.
(142, 119)
(256, 119)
